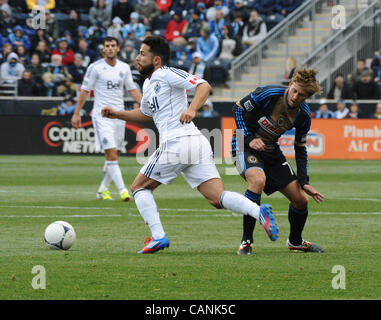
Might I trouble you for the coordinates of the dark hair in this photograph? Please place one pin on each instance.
(109, 39)
(158, 47)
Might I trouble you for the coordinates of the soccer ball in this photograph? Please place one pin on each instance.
(59, 235)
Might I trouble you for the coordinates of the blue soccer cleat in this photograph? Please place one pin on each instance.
(266, 218)
(153, 245)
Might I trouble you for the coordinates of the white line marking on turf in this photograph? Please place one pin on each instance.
(131, 214)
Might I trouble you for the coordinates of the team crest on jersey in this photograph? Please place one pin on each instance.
(248, 105)
(280, 122)
(157, 87)
(252, 159)
(121, 74)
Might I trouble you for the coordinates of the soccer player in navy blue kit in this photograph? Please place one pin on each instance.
(261, 118)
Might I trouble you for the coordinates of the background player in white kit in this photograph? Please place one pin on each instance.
(108, 77)
(183, 149)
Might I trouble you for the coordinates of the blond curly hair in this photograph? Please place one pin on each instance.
(306, 78)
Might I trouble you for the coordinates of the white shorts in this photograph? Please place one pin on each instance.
(192, 156)
(109, 133)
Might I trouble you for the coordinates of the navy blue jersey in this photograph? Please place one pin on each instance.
(265, 114)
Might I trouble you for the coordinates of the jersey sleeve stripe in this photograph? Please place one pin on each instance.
(240, 122)
(179, 72)
(268, 93)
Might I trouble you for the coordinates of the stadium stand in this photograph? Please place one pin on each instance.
(76, 29)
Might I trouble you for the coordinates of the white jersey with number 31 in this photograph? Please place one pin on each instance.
(165, 99)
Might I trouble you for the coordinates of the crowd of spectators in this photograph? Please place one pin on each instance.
(52, 60)
(364, 83)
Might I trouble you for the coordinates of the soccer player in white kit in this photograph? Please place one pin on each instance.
(183, 149)
(108, 77)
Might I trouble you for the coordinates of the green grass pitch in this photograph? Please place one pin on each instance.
(201, 262)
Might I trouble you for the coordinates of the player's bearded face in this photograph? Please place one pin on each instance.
(144, 61)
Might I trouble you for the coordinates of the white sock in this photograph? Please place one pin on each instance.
(237, 202)
(106, 179)
(149, 211)
(115, 174)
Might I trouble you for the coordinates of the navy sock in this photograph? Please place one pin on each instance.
(297, 219)
(248, 221)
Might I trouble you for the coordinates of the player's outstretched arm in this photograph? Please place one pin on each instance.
(127, 115)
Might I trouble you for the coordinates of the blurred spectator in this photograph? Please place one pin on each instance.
(5, 51)
(56, 68)
(47, 4)
(17, 37)
(67, 106)
(239, 10)
(29, 30)
(52, 27)
(375, 65)
(200, 6)
(63, 50)
(207, 45)
(97, 33)
(129, 53)
(323, 112)
(228, 45)
(216, 25)
(340, 89)
(377, 114)
(99, 13)
(255, 29)
(206, 3)
(48, 87)
(43, 51)
(23, 55)
(185, 5)
(114, 30)
(12, 70)
(36, 68)
(217, 5)
(354, 111)
(164, 5)
(74, 23)
(39, 36)
(194, 26)
(341, 110)
(291, 65)
(148, 11)
(122, 9)
(7, 22)
(268, 9)
(198, 66)
(135, 28)
(366, 88)
(356, 75)
(88, 55)
(175, 29)
(207, 110)
(77, 70)
(5, 6)
(67, 88)
(26, 86)
(285, 7)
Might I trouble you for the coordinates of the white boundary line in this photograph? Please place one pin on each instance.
(222, 213)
